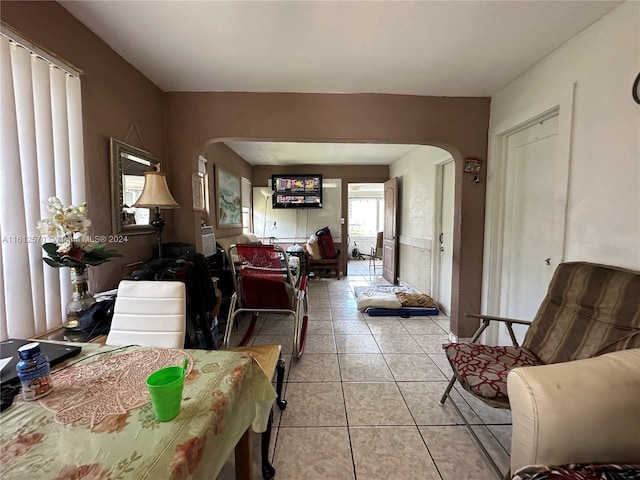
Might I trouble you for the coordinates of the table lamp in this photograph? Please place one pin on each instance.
(156, 194)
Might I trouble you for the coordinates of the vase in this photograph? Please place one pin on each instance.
(81, 298)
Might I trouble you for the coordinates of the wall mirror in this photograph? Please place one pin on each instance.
(128, 165)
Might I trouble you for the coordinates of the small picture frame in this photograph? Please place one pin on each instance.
(472, 166)
(198, 186)
(228, 199)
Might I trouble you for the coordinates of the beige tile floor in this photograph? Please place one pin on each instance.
(363, 399)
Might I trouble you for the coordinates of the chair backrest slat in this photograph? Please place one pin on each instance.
(149, 313)
(589, 310)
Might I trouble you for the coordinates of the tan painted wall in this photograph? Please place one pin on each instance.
(458, 125)
(114, 95)
(415, 267)
(347, 173)
(416, 173)
(220, 154)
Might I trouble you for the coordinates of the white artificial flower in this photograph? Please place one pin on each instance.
(43, 226)
(54, 204)
(64, 245)
(85, 244)
(53, 230)
(73, 222)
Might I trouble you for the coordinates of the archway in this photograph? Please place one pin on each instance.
(458, 125)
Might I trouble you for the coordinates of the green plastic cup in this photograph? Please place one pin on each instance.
(165, 389)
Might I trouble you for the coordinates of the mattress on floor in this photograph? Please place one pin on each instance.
(394, 300)
(404, 312)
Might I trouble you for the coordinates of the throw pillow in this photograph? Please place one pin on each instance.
(415, 300)
(313, 247)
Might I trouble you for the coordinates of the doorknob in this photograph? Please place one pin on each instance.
(547, 261)
(441, 238)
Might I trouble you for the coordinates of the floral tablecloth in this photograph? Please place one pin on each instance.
(106, 436)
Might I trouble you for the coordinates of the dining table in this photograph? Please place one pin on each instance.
(98, 422)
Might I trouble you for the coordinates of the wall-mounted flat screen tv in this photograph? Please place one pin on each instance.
(297, 191)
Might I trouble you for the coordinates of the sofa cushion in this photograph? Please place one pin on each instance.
(483, 369)
(589, 310)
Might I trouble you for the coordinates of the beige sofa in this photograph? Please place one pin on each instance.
(585, 411)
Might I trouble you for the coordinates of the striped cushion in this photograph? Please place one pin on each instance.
(589, 310)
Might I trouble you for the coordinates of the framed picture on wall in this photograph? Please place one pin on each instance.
(197, 186)
(228, 199)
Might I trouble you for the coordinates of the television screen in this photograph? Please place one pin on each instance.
(297, 191)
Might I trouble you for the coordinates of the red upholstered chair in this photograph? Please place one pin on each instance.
(589, 310)
(264, 284)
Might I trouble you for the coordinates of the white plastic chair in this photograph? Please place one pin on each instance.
(149, 313)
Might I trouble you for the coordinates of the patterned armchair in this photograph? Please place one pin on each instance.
(589, 310)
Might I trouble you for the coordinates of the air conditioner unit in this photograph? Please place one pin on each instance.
(208, 241)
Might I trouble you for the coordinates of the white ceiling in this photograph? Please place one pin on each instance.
(439, 48)
(291, 153)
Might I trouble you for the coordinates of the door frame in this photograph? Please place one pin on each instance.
(437, 223)
(391, 240)
(560, 104)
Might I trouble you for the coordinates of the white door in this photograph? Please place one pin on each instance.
(389, 236)
(445, 237)
(532, 243)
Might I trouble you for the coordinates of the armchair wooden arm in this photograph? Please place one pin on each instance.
(498, 319)
(486, 321)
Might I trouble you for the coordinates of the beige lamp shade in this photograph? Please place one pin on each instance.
(156, 192)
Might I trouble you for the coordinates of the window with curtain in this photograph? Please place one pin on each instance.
(246, 206)
(41, 156)
(201, 187)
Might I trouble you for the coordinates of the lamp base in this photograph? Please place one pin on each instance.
(158, 224)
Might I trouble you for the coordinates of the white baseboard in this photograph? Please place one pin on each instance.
(455, 339)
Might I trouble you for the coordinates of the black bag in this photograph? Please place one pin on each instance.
(96, 320)
(192, 270)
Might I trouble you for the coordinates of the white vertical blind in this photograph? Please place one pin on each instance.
(41, 155)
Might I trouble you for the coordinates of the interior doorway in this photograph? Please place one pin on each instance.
(532, 243)
(442, 250)
(526, 208)
(365, 219)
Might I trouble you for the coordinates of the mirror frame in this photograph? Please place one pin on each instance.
(117, 149)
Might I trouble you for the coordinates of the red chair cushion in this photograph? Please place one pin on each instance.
(483, 369)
